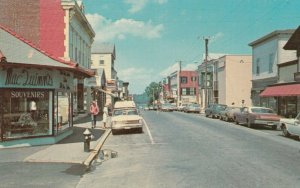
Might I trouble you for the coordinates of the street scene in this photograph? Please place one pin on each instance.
(149, 93)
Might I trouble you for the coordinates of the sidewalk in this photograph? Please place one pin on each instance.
(71, 149)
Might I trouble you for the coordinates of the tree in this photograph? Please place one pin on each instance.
(153, 91)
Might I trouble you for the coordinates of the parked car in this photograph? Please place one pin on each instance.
(290, 126)
(166, 107)
(257, 116)
(228, 113)
(181, 107)
(213, 110)
(125, 116)
(195, 108)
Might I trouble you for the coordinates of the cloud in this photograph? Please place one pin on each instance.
(216, 37)
(138, 78)
(107, 30)
(175, 67)
(138, 5)
(169, 70)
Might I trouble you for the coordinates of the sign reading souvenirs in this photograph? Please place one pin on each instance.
(27, 94)
(27, 78)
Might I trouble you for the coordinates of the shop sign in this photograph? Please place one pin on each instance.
(28, 78)
(27, 94)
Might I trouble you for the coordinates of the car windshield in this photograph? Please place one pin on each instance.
(262, 110)
(125, 112)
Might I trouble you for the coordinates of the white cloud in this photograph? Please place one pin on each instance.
(138, 5)
(107, 30)
(175, 67)
(169, 70)
(138, 78)
(217, 36)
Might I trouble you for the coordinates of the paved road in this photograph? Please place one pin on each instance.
(189, 150)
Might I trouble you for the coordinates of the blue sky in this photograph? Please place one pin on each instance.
(151, 36)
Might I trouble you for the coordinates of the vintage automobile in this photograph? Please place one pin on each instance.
(290, 126)
(194, 108)
(181, 107)
(125, 116)
(213, 110)
(167, 107)
(228, 113)
(252, 116)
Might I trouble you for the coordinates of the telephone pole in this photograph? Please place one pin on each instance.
(179, 85)
(205, 84)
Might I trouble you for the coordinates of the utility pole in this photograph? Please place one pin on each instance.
(179, 85)
(205, 84)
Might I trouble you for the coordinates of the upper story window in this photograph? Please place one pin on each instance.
(101, 62)
(193, 78)
(271, 60)
(257, 66)
(183, 80)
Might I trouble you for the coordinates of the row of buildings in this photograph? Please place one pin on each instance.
(269, 77)
(50, 71)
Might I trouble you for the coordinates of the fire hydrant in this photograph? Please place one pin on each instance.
(87, 140)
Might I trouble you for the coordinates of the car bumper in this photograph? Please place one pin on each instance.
(126, 126)
(266, 122)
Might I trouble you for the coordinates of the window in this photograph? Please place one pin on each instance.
(257, 66)
(26, 113)
(193, 91)
(183, 91)
(193, 78)
(101, 62)
(271, 60)
(183, 80)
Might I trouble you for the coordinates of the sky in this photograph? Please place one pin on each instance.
(152, 36)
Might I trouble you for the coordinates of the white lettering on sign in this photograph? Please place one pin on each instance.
(27, 94)
(25, 78)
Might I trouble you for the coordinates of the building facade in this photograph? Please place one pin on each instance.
(35, 92)
(267, 54)
(58, 27)
(104, 56)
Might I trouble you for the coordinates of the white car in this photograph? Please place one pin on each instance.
(125, 116)
(290, 126)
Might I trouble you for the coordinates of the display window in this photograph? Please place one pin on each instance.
(62, 111)
(25, 113)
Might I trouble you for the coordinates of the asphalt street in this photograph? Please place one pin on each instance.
(189, 150)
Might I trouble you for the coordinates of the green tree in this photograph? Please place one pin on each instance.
(153, 91)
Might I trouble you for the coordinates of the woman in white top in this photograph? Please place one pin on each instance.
(105, 115)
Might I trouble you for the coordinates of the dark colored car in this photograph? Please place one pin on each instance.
(228, 113)
(213, 110)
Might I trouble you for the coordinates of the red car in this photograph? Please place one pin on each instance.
(257, 116)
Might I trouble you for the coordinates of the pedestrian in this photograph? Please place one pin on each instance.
(105, 115)
(94, 109)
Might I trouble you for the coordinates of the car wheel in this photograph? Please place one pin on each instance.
(249, 124)
(236, 121)
(285, 131)
(140, 130)
(206, 115)
(226, 118)
(113, 131)
(274, 127)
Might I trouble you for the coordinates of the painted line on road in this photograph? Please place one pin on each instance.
(149, 133)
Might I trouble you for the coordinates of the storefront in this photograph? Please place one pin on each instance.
(35, 102)
(287, 97)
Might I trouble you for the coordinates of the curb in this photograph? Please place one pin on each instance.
(94, 153)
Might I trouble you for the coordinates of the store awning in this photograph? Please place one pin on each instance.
(281, 90)
(106, 92)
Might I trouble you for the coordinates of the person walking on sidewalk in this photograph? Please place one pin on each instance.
(94, 109)
(105, 115)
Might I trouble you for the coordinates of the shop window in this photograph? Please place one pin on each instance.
(25, 113)
(62, 111)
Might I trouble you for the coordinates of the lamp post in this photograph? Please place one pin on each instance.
(205, 84)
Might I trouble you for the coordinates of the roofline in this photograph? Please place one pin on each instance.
(271, 35)
(68, 63)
